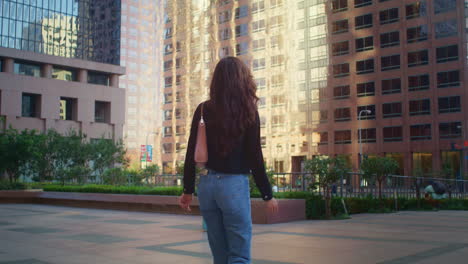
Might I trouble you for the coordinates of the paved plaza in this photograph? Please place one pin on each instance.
(42, 234)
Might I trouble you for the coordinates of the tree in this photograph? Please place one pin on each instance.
(107, 154)
(329, 171)
(378, 169)
(15, 152)
(150, 172)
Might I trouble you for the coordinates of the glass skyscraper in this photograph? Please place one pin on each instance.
(82, 29)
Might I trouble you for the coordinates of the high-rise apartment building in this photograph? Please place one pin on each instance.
(59, 65)
(332, 76)
(396, 83)
(141, 54)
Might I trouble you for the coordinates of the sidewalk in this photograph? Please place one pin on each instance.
(43, 234)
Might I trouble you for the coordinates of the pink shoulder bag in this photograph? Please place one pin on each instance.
(201, 149)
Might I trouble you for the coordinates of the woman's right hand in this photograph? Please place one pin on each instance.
(272, 206)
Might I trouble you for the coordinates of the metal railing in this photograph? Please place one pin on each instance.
(354, 185)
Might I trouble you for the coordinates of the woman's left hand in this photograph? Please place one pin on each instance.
(184, 201)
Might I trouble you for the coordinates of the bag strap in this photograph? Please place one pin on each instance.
(201, 117)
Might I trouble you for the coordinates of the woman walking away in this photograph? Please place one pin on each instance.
(232, 128)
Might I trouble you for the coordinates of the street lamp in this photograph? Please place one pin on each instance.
(368, 112)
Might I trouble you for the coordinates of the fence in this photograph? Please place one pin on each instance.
(353, 185)
(350, 185)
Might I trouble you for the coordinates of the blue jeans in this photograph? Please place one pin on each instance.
(225, 205)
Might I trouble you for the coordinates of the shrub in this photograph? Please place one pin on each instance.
(6, 185)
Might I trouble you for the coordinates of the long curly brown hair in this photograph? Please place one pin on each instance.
(233, 99)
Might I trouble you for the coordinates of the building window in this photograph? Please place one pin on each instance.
(277, 120)
(180, 130)
(68, 108)
(258, 64)
(388, 16)
(448, 79)
(262, 121)
(258, 7)
(340, 48)
(391, 86)
(364, 21)
(167, 132)
(446, 29)
(31, 105)
(339, 5)
(242, 48)
(342, 114)
(449, 104)
(277, 80)
(167, 115)
(420, 107)
(390, 39)
(417, 34)
(442, 6)
(340, 26)
(64, 74)
(263, 142)
(167, 148)
(276, 21)
(343, 137)
(261, 102)
(447, 53)
(178, 63)
(450, 130)
(364, 115)
(392, 134)
(261, 83)
(367, 135)
(341, 92)
(242, 11)
(365, 89)
(341, 70)
(390, 62)
(420, 132)
(224, 16)
(179, 96)
(361, 3)
(168, 49)
(27, 68)
(323, 138)
(365, 66)
(242, 30)
(98, 78)
(102, 112)
(258, 44)
(277, 60)
(323, 116)
(168, 81)
(178, 46)
(275, 41)
(168, 65)
(167, 98)
(276, 3)
(258, 26)
(178, 79)
(417, 58)
(418, 82)
(363, 44)
(390, 110)
(417, 9)
(225, 33)
(168, 33)
(224, 52)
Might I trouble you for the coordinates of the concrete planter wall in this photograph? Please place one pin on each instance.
(290, 209)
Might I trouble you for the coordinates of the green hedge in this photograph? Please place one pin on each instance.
(6, 185)
(315, 205)
(114, 189)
